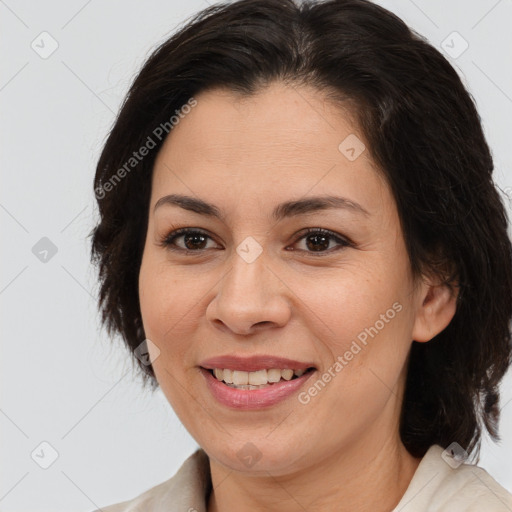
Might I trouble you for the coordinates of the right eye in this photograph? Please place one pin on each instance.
(191, 237)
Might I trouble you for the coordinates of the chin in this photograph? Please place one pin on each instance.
(257, 455)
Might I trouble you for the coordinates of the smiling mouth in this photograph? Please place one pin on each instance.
(258, 379)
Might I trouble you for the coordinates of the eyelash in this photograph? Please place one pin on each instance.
(168, 241)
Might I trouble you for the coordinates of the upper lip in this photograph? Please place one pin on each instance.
(253, 363)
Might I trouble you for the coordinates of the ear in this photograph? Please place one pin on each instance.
(437, 304)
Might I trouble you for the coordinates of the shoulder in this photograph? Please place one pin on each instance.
(186, 490)
(441, 484)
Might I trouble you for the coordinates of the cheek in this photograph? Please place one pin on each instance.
(162, 303)
(154, 298)
(346, 302)
(172, 306)
(164, 295)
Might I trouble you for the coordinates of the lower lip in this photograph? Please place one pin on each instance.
(254, 398)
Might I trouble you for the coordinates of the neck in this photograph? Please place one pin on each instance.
(359, 477)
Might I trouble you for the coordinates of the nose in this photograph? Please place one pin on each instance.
(250, 297)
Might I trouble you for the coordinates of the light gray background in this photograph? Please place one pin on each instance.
(63, 381)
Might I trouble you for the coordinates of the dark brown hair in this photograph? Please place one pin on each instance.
(422, 130)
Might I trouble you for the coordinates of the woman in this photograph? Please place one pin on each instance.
(301, 243)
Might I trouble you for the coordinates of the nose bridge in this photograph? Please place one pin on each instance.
(249, 293)
(246, 282)
(248, 267)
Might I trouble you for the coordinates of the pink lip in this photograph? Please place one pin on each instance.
(244, 399)
(254, 363)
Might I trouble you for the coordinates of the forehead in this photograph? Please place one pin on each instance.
(281, 140)
(278, 117)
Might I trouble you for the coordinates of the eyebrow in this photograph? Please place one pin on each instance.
(281, 211)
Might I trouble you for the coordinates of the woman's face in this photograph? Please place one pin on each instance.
(255, 283)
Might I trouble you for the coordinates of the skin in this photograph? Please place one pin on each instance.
(342, 450)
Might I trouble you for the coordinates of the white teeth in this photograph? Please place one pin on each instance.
(287, 374)
(240, 378)
(257, 378)
(274, 375)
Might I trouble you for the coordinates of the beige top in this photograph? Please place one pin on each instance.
(435, 487)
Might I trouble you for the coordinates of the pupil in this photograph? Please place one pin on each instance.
(193, 236)
(315, 237)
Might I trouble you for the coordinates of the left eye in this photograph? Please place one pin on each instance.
(317, 239)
